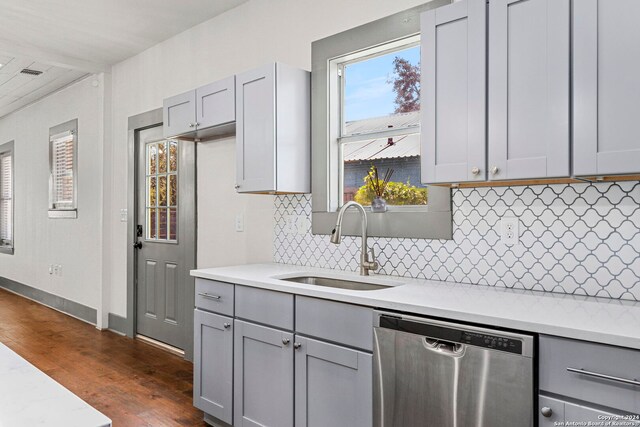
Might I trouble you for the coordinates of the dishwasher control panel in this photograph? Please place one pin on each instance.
(491, 341)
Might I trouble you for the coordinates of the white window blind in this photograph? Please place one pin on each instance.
(63, 146)
(6, 199)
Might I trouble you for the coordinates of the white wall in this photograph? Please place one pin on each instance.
(253, 34)
(40, 241)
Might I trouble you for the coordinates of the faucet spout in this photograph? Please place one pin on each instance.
(366, 264)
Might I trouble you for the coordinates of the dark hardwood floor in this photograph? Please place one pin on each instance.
(132, 383)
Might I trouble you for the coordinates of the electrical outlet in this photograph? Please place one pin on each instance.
(239, 223)
(510, 231)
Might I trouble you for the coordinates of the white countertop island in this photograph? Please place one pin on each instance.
(30, 398)
(606, 321)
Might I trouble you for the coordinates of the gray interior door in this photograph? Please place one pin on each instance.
(166, 238)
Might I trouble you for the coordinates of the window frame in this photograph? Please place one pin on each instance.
(5, 148)
(54, 212)
(431, 221)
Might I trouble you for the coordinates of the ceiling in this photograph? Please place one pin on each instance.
(68, 39)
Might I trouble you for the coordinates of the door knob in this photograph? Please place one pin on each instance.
(475, 171)
(546, 411)
(495, 170)
(137, 245)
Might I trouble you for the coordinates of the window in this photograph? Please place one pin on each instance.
(380, 125)
(361, 118)
(63, 141)
(6, 198)
(162, 190)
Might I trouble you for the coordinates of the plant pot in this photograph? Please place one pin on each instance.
(378, 205)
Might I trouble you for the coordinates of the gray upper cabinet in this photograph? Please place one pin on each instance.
(179, 114)
(529, 89)
(273, 130)
(213, 365)
(606, 87)
(454, 92)
(216, 103)
(201, 113)
(263, 376)
(333, 385)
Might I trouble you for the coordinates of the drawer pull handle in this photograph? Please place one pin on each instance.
(209, 296)
(604, 376)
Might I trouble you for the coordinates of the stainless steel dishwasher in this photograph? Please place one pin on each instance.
(429, 373)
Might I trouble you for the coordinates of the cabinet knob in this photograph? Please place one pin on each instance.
(297, 345)
(286, 341)
(197, 124)
(495, 170)
(475, 171)
(191, 125)
(546, 411)
(226, 325)
(236, 186)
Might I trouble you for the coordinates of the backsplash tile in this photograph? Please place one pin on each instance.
(574, 238)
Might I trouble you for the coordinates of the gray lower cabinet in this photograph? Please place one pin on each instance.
(333, 385)
(555, 412)
(263, 376)
(213, 365)
(606, 88)
(529, 89)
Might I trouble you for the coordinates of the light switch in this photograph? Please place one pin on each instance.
(123, 215)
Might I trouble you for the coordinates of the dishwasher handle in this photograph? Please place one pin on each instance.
(444, 347)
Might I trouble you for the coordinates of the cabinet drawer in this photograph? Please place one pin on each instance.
(264, 306)
(557, 355)
(214, 296)
(341, 323)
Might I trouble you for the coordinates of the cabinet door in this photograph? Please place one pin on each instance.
(216, 103)
(454, 50)
(179, 114)
(333, 385)
(213, 365)
(255, 130)
(606, 87)
(583, 415)
(550, 412)
(263, 376)
(529, 89)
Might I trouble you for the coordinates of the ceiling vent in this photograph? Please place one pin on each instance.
(30, 72)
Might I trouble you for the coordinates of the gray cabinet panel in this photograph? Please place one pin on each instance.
(454, 92)
(333, 385)
(606, 65)
(213, 365)
(334, 321)
(216, 103)
(214, 296)
(558, 354)
(556, 417)
(265, 306)
(255, 130)
(179, 114)
(584, 415)
(529, 89)
(263, 376)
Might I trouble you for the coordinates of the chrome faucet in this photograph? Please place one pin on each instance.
(366, 265)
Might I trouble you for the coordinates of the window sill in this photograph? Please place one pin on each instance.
(6, 250)
(63, 214)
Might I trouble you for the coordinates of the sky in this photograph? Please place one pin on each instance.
(367, 93)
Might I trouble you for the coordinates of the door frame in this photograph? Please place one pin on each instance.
(135, 125)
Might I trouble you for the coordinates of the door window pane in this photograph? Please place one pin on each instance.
(162, 190)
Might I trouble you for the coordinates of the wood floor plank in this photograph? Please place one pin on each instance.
(132, 383)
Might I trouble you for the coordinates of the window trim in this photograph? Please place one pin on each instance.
(8, 147)
(64, 213)
(432, 221)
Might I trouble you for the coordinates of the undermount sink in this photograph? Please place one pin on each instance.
(336, 283)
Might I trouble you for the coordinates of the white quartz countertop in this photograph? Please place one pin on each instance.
(28, 397)
(606, 321)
